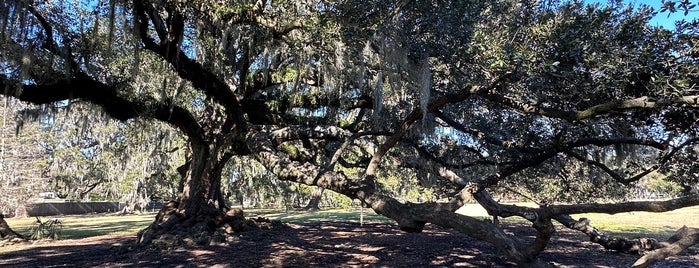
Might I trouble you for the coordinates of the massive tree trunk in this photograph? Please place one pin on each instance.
(200, 214)
(314, 203)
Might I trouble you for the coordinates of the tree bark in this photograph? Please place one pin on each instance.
(6, 233)
(619, 244)
(199, 215)
(410, 217)
(684, 238)
(314, 203)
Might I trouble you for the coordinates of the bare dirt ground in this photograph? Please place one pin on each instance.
(322, 244)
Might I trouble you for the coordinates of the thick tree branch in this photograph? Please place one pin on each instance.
(614, 141)
(6, 233)
(431, 157)
(623, 245)
(319, 132)
(640, 103)
(473, 132)
(105, 96)
(81, 86)
(615, 175)
(684, 238)
(537, 157)
(410, 216)
(613, 208)
(188, 69)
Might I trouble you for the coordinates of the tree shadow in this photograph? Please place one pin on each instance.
(325, 244)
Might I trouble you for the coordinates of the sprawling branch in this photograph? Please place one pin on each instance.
(188, 69)
(423, 152)
(623, 245)
(87, 89)
(615, 175)
(6, 233)
(417, 114)
(80, 86)
(410, 216)
(318, 132)
(473, 132)
(537, 157)
(639, 103)
(613, 208)
(684, 238)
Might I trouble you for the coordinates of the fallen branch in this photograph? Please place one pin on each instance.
(684, 238)
(619, 244)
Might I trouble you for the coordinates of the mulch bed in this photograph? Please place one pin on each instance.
(323, 244)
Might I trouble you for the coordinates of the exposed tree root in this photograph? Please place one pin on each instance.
(684, 237)
(174, 228)
(7, 235)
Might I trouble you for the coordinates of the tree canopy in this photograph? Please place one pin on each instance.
(562, 103)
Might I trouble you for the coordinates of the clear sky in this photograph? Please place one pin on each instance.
(661, 19)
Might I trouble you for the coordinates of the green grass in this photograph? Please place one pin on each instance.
(80, 226)
(659, 225)
(641, 223)
(630, 224)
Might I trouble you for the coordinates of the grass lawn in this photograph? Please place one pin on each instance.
(637, 223)
(658, 225)
(630, 224)
(80, 226)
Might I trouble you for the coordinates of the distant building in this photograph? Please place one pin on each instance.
(48, 195)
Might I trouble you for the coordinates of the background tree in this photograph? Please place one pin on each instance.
(372, 98)
(22, 167)
(95, 158)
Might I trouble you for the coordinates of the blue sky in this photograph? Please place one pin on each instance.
(661, 19)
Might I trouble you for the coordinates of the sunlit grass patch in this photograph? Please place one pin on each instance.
(629, 224)
(632, 224)
(636, 224)
(80, 226)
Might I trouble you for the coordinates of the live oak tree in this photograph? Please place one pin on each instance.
(462, 97)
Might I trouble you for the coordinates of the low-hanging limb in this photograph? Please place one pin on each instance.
(640, 103)
(410, 217)
(618, 244)
(613, 208)
(541, 217)
(561, 213)
(655, 250)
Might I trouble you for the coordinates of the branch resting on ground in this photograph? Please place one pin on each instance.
(684, 238)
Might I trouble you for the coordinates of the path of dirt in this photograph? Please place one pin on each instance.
(322, 244)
